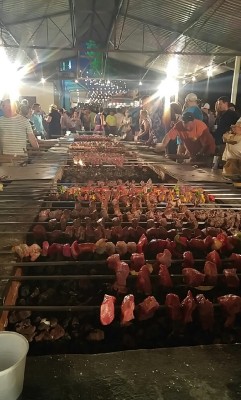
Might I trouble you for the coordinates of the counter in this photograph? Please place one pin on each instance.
(197, 373)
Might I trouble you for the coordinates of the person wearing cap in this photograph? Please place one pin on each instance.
(191, 105)
(193, 133)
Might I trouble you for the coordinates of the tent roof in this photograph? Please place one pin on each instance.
(145, 33)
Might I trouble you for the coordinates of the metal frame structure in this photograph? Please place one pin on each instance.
(110, 25)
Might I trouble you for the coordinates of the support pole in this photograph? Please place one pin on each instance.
(235, 79)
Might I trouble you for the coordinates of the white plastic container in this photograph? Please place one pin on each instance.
(13, 351)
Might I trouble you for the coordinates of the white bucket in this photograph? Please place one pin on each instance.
(13, 351)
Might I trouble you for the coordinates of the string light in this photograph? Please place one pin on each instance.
(102, 90)
(193, 79)
(76, 80)
(42, 80)
(184, 82)
(140, 83)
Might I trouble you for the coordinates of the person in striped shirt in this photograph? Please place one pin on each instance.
(15, 131)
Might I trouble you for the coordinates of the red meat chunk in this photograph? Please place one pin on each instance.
(188, 306)
(165, 258)
(192, 277)
(122, 271)
(164, 277)
(231, 305)
(206, 312)
(143, 281)
(211, 273)
(174, 306)
(147, 308)
(127, 309)
(231, 278)
(107, 310)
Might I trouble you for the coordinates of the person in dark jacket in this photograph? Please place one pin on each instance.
(225, 118)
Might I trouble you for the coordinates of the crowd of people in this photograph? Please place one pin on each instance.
(191, 131)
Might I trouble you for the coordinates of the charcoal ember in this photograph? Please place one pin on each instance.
(75, 334)
(75, 214)
(24, 291)
(97, 335)
(21, 302)
(57, 333)
(29, 337)
(55, 236)
(75, 322)
(47, 296)
(25, 327)
(44, 325)
(52, 224)
(17, 316)
(53, 322)
(35, 293)
(37, 320)
(39, 232)
(63, 223)
(150, 223)
(40, 337)
(23, 314)
(66, 322)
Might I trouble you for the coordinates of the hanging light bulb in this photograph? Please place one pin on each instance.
(140, 83)
(194, 79)
(184, 82)
(42, 80)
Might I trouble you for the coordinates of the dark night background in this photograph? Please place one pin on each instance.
(210, 90)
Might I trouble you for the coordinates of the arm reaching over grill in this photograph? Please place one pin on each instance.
(127, 309)
(107, 310)
(231, 305)
(206, 312)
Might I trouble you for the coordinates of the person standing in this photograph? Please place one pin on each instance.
(225, 118)
(87, 120)
(145, 127)
(37, 120)
(92, 119)
(191, 105)
(111, 123)
(119, 115)
(53, 120)
(100, 121)
(76, 122)
(15, 131)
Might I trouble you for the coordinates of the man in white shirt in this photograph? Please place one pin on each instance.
(15, 131)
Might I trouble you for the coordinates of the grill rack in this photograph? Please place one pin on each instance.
(41, 205)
